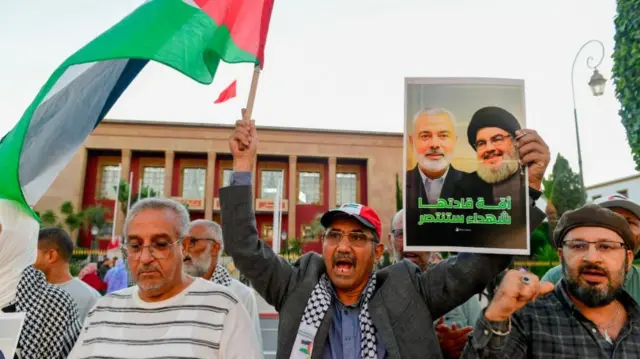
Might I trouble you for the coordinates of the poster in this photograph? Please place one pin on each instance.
(464, 187)
(10, 328)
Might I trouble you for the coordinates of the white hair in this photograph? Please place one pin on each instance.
(215, 227)
(177, 208)
(434, 111)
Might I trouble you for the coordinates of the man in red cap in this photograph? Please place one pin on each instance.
(335, 305)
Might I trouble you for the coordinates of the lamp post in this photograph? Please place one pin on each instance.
(94, 235)
(283, 237)
(596, 83)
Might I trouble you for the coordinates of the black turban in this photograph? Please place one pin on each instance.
(491, 117)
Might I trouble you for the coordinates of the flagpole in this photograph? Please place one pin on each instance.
(252, 92)
(115, 211)
(130, 191)
(139, 188)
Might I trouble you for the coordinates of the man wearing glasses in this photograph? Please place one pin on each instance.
(335, 305)
(503, 149)
(631, 212)
(169, 314)
(202, 252)
(587, 315)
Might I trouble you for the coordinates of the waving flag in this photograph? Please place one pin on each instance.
(191, 36)
(228, 93)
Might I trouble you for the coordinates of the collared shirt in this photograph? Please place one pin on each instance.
(553, 328)
(345, 337)
(433, 187)
(631, 281)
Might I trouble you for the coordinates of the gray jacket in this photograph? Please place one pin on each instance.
(402, 309)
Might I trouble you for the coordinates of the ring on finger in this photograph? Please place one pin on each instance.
(525, 279)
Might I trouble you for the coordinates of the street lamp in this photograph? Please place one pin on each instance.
(94, 234)
(596, 84)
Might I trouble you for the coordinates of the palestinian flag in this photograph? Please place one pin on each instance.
(191, 36)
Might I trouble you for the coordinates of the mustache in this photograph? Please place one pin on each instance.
(593, 267)
(436, 151)
(488, 154)
(147, 268)
(344, 258)
(186, 258)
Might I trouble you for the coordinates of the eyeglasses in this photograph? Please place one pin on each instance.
(356, 239)
(192, 242)
(496, 140)
(603, 247)
(159, 249)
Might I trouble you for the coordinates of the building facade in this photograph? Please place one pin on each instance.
(190, 162)
(627, 186)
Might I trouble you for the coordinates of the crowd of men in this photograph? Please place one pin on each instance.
(330, 305)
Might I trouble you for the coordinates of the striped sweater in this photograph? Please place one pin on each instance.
(206, 320)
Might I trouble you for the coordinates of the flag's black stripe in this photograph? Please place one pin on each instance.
(224, 294)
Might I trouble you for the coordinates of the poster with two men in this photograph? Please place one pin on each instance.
(464, 188)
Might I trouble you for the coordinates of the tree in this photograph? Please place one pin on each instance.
(567, 193)
(72, 220)
(398, 193)
(626, 70)
(123, 195)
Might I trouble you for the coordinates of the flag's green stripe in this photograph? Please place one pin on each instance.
(166, 31)
(170, 32)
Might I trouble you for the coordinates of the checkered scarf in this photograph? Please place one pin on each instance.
(51, 326)
(221, 276)
(319, 303)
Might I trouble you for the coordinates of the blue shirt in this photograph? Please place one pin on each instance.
(344, 337)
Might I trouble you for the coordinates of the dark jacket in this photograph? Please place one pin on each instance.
(403, 307)
(414, 189)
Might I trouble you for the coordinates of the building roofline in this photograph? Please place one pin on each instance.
(272, 128)
(614, 181)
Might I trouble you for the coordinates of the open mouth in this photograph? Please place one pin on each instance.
(493, 158)
(344, 266)
(187, 260)
(594, 276)
(414, 257)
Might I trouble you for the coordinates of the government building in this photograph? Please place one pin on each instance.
(318, 169)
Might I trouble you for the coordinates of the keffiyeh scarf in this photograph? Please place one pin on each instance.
(51, 327)
(317, 307)
(221, 276)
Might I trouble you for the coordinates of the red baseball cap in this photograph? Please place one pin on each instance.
(365, 215)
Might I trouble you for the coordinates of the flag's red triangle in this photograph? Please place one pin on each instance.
(228, 93)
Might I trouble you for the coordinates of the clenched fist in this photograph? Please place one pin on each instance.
(243, 144)
(516, 290)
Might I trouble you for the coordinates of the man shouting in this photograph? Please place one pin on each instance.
(334, 305)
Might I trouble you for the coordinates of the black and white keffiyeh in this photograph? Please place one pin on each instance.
(318, 305)
(51, 327)
(221, 276)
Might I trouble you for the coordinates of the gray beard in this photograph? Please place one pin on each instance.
(508, 167)
(199, 267)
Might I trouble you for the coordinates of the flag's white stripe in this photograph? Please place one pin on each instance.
(60, 125)
(67, 77)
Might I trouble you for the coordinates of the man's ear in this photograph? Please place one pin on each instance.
(630, 257)
(215, 249)
(379, 251)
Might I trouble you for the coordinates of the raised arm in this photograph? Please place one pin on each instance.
(270, 275)
(499, 332)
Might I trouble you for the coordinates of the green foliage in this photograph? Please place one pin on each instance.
(293, 247)
(540, 238)
(123, 195)
(547, 187)
(49, 218)
(567, 193)
(398, 193)
(626, 70)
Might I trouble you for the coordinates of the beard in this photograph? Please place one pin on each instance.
(508, 167)
(591, 295)
(199, 265)
(433, 165)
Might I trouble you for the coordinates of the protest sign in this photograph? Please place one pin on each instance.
(465, 189)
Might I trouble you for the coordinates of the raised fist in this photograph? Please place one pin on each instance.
(243, 144)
